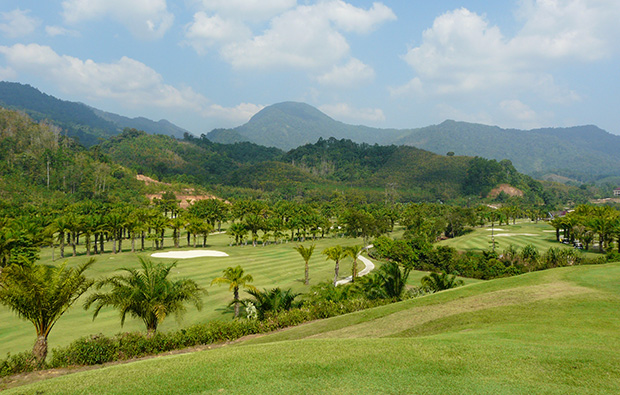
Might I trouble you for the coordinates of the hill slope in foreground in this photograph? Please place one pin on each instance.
(556, 331)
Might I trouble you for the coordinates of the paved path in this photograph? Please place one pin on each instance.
(369, 266)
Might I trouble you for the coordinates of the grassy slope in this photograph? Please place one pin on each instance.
(555, 331)
(541, 236)
(271, 266)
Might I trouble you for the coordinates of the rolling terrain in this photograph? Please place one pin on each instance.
(550, 332)
(584, 153)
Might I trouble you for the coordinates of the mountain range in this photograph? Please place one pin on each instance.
(86, 124)
(582, 153)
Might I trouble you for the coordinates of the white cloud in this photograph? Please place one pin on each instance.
(353, 19)
(239, 114)
(517, 110)
(354, 73)
(206, 31)
(54, 31)
(345, 111)
(145, 19)
(17, 23)
(127, 80)
(7, 73)
(463, 54)
(247, 9)
(307, 37)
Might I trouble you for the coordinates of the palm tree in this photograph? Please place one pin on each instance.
(147, 294)
(233, 276)
(435, 282)
(41, 294)
(273, 300)
(354, 252)
(336, 254)
(305, 253)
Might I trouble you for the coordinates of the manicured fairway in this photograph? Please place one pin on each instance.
(551, 332)
(541, 236)
(273, 265)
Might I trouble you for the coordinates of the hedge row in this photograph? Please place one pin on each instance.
(98, 349)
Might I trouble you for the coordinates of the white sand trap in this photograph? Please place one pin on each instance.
(188, 254)
(496, 229)
(515, 234)
(549, 231)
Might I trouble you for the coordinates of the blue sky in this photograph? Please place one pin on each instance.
(204, 64)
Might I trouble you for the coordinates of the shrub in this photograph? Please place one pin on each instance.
(18, 363)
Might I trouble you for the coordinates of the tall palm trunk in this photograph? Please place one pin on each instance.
(40, 349)
(236, 300)
(61, 238)
(336, 270)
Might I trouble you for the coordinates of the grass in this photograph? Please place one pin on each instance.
(273, 265)
(541, 236)
(552, 332)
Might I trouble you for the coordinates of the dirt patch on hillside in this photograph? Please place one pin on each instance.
(507, 189)
(187, 196)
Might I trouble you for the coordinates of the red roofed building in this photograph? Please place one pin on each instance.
(617, 192)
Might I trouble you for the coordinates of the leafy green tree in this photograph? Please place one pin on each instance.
(41, 294)
(234, 277)
(435, 282)
(274, 300)
(146, 293)
(306, 254)
(336, 254)
(354, 252)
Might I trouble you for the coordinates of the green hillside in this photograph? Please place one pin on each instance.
(86, 124)
(552, 332)
(579, 152)
(289, 125)
(584, 153)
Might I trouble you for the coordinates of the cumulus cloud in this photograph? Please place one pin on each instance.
(307, 37)
(206, 31)
(17, 23)
(345, 111)
(54, 31)
(518, 110)
(351, 74)
(463, 53)
(247, 9)
(238, 114)
(145, 19)
(126, 80)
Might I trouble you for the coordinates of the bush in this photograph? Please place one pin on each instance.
(91, 350)
(18, 363)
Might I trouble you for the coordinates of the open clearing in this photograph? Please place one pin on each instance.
(552, 332)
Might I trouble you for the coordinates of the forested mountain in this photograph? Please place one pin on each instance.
(584, 153)
(84, 123)
(39, 161)
(41, 166)
(581, 152)
(289, 125)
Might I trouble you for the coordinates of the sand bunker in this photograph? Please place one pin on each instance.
(188, 254)
(496, 229)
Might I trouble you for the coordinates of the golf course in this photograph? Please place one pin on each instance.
(551, 331)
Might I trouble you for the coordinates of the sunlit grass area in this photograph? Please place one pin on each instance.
(553, 332)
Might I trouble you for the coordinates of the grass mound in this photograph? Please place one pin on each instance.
(556, 331)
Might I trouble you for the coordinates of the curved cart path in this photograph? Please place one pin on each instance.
(369, 266)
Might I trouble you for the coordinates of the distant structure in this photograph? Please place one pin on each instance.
(617, 191)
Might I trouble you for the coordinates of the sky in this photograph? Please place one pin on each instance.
(205, 64)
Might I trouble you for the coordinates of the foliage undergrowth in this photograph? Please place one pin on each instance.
(98, 349)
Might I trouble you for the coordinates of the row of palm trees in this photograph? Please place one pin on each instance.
(587, 222)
